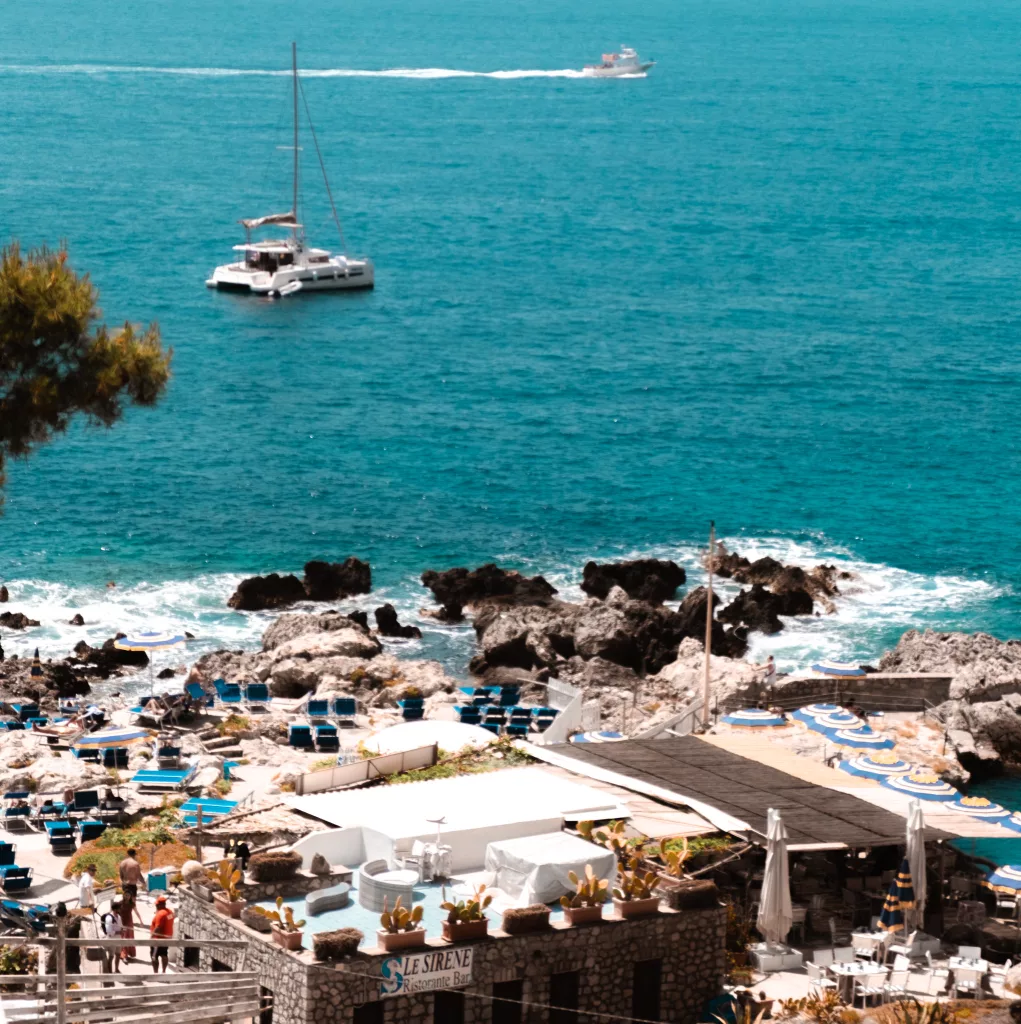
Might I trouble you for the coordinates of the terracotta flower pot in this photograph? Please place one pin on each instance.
(289, 940)
(637, 908)
(227, 907)
(400, 940)
(463, 931)
(583, 915)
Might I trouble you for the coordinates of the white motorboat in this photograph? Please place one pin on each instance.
(286, 266)
(618, 65)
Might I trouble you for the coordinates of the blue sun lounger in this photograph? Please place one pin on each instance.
(468, 714)
(318, 709)
(412, 709)
(35, 916)
(327, 739)
(148, 778)
(211, 809)
(300, 736)
(17, 818)
(257, 693)
(227, 693)
(25, 711)
(344, 710)
(15, 879)
(88, 830)
(61, 836)
(7, 851)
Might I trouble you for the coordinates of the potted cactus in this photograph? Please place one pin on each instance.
(466, 919)
(586, 905)
(286, 931)
(227, 899)
(400, 927)
(632, 895)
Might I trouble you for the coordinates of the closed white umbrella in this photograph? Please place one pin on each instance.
(915, 854)
(775, 913)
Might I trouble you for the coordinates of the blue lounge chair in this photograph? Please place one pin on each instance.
(15, 879)
(149, 779)
(412, 708)
(544, 718)
(509, 696)
(115, 757)
(61, 836)
(318, 709)
(469, 715)
(195, 691)
(17, 818)
(86, 800)
(7, 851)
(168, 757)
(491, 727)
(327, 739)
(14, 725)
(300, 736)
(345, 709)
(517, 730)
(257, 693)
(86, 754)
(25, 711)
(88, 830)
(210, 809)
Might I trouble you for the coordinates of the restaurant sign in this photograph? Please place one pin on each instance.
(426, 972)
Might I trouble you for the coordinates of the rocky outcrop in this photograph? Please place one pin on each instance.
(360, 618)
(646, 579)
(460, 588)
(985, 735)
(259, 593)
(760, 610)
(65, 678)
(77, 620)
(107, 660)
(388, 625)
(819, 583)
(325, 581)
(4, 595)
(293, 625)
(16, 620)
(633, 634)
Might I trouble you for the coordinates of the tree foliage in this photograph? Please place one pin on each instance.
(57, 361)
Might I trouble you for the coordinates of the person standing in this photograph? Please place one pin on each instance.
(162, 927)
(769, 680)
(111, 922)
(130, 873)
(129, 907)
(87, 888)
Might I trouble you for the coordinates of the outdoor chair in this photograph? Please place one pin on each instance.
(517, 729)
(16, 818)
(300, 736)
(822, 957)
(318, 709)
(257, 693)
(412, 709)
(509, 695)
(492, 727)
(195, 691)
(469, 715)
(344, 710)
(36, 721)
(15, 879)
(327, 739)
(115, 757)
(798, 916)
(968, 982)
(901, 963)
(168, 757)
(843, 955)
(864, 946)
(86, 754)
(1007, 904)
(817, 979)
(902, 949)
(839, 935)
(7, 851)
(872, 987)
(897, 985)
(86, 800)
(940, 974)
(91, 830)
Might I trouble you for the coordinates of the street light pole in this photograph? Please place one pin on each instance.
(708, 625)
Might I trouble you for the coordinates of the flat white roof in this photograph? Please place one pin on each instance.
(468, 802)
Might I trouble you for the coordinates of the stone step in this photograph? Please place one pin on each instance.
(215, 746)
(228, 752)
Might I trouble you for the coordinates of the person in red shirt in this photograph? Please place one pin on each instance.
(162, 927)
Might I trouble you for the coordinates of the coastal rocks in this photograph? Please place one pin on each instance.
(360, 618)
(388, 624)
(984, 735)
(290, 626)
(77, 620)
(983, 668)
(325, 581)
(633, 634)
(16, 620)
(458, 588)
(352, 642)
(646, 579)
(760, 610)
(258, 593)
(684, 677)
(4, 595)
(59, 679)
(107, 660)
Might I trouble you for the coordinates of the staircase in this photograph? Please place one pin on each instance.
(222, 746)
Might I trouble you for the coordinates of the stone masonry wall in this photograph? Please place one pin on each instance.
(689, 943)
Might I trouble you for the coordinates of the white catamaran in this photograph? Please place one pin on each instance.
(285, 266)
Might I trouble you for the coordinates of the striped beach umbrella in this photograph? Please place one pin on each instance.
(838, 668)
(877, 766)
(979, 807)
(923, 784)
(1012, 822)
(118, 737)
(900, 897)
(605, 736)
(37, 666)
(753, 718)
(149, 642)
(810, 712)
(838, 720)
(862, 739)
(1005, 879)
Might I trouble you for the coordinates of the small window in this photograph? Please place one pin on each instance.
(645, 997)
(448, 1007)
(563, 998)
(368, 1013)
(507, 1002)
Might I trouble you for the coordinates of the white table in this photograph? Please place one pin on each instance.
(967, 963)
(768, 958)
(848, 974)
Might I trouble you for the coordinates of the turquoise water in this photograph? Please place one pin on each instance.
(774, 283)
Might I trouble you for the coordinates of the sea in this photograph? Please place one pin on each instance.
(773, 284)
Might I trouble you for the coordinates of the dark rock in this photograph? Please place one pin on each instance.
(77, 620)
(258, 593)
(107, 660)
(326, 581)
(726, 563)
(759, 610)
(489, 584)
(188, 636)
(819, 583)
(167, 673)
(646, 579)
(16, 620)
(448, 614)
(4, 595)
(359, 618)
(388, 625)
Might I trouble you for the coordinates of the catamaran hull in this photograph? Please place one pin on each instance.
(234, 277)
(625, 72)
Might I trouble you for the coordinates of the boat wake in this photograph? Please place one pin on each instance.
(416, 73)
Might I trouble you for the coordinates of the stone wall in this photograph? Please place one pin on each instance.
(690, 944)
(303, 882)
(879, 691)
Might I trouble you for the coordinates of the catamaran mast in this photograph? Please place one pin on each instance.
(294, 70)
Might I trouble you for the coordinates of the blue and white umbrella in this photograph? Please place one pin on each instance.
(861, 739)
(923, 784)
(753, 718)
(838, 668)
(1013, 822)
(1005, 879)
(838, 720)
(979, 807)
(876, 766)
(117, 737)
(149, 641)
(812, 712)
(606, 736)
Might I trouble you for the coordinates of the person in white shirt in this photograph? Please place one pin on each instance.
(87, 888)
(111, 922)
